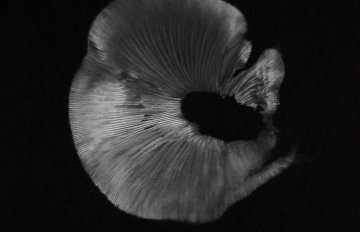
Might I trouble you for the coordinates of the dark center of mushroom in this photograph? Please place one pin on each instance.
(222, 118)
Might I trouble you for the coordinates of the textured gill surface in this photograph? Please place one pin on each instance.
(178, 45)
(143, 57)
(260, 84)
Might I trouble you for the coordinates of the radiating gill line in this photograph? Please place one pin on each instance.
(150, 67)
(163, 58)
(182, 72)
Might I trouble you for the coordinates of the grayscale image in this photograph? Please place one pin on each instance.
(180, 115)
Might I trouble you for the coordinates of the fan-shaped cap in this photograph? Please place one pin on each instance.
(143, 57)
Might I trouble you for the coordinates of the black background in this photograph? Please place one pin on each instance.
(45, 188)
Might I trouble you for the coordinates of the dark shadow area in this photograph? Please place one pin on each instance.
(222, 118)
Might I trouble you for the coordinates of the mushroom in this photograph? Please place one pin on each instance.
(145, 58)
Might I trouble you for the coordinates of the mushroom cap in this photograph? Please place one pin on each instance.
(143, 57)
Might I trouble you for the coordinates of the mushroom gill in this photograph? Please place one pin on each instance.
(144, 57)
